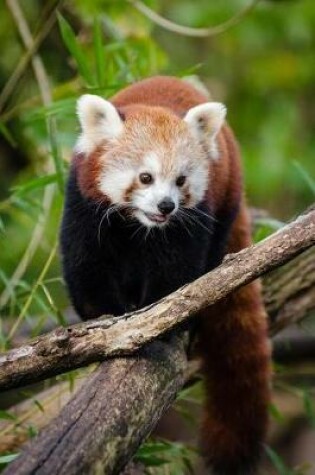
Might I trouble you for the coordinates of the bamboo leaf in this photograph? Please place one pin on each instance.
(309, 408)
(276, 414)
(7, 135)
(4, 459)
(99, 51)
(278, 462)
(2, 229)
(56, 154)
(74, 49)
(39, 405)
(305, 176)
(7, 415)
(35, 184)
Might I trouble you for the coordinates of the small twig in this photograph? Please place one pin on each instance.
(23, 63)
(189, 31)
(31, 294)
(294, 348)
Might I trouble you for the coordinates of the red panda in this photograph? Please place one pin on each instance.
(154, 200)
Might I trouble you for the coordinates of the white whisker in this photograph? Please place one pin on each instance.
(100, 227)
(180, 218)
(205, 214)
(193, 219)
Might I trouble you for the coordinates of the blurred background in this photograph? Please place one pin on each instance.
(261, 65)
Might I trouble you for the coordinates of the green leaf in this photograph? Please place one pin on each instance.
(6, 415)
(186, 414)
(74, 48)
(151, 460)
(309, 408)
(147, 454)
(63, 107)
(32, 431)
(173, 454)
(152, 448)
(305, 176)
(99, 52)
(265, 226)
(2, 229)
(71, 380)
(276, 414)
(193, 393)
(39, 405)
(56, 154)
(278, 462)
(4, 459)
(7, 135)
(35, 184)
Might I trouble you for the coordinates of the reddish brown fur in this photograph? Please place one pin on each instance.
(161, 91)
(88, 172)
(128, 194)
(237, 366)
(158, 124)
(233, 335)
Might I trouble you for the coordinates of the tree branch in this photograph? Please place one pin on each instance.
(289, 291)
(190, 31)
(78, 345)
(294, 349)
(105, 422)
(280, 292)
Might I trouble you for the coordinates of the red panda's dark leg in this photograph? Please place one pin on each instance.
(236, 356)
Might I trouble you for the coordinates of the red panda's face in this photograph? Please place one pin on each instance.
(153, 164)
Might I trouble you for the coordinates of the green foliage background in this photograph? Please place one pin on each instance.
(263, 69)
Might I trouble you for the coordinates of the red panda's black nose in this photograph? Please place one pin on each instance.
(166, 206)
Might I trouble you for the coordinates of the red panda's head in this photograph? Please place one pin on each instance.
(151, 161)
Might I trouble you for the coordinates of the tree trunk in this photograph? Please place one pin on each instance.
(99, 430)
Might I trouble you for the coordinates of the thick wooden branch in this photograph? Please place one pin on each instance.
(13, 433)
(289, 291)
(294, 349)
(102, 426)
(280, 293)
(78, 345)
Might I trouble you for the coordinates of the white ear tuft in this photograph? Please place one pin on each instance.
(205, 121)
(99, 120)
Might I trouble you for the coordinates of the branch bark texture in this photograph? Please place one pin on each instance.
(289, 291)
(78, 345)
(105, 422)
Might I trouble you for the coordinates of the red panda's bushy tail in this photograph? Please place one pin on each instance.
(236, 356)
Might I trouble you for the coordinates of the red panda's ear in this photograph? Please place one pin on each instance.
(206, 120)
(99, 120)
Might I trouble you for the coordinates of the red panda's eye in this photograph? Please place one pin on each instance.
(180, 180)
(146, 178)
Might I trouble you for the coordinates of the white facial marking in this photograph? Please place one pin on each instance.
(205, 122)
(99, 120)
(147, 197)
(152, 164)
(115, 181)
